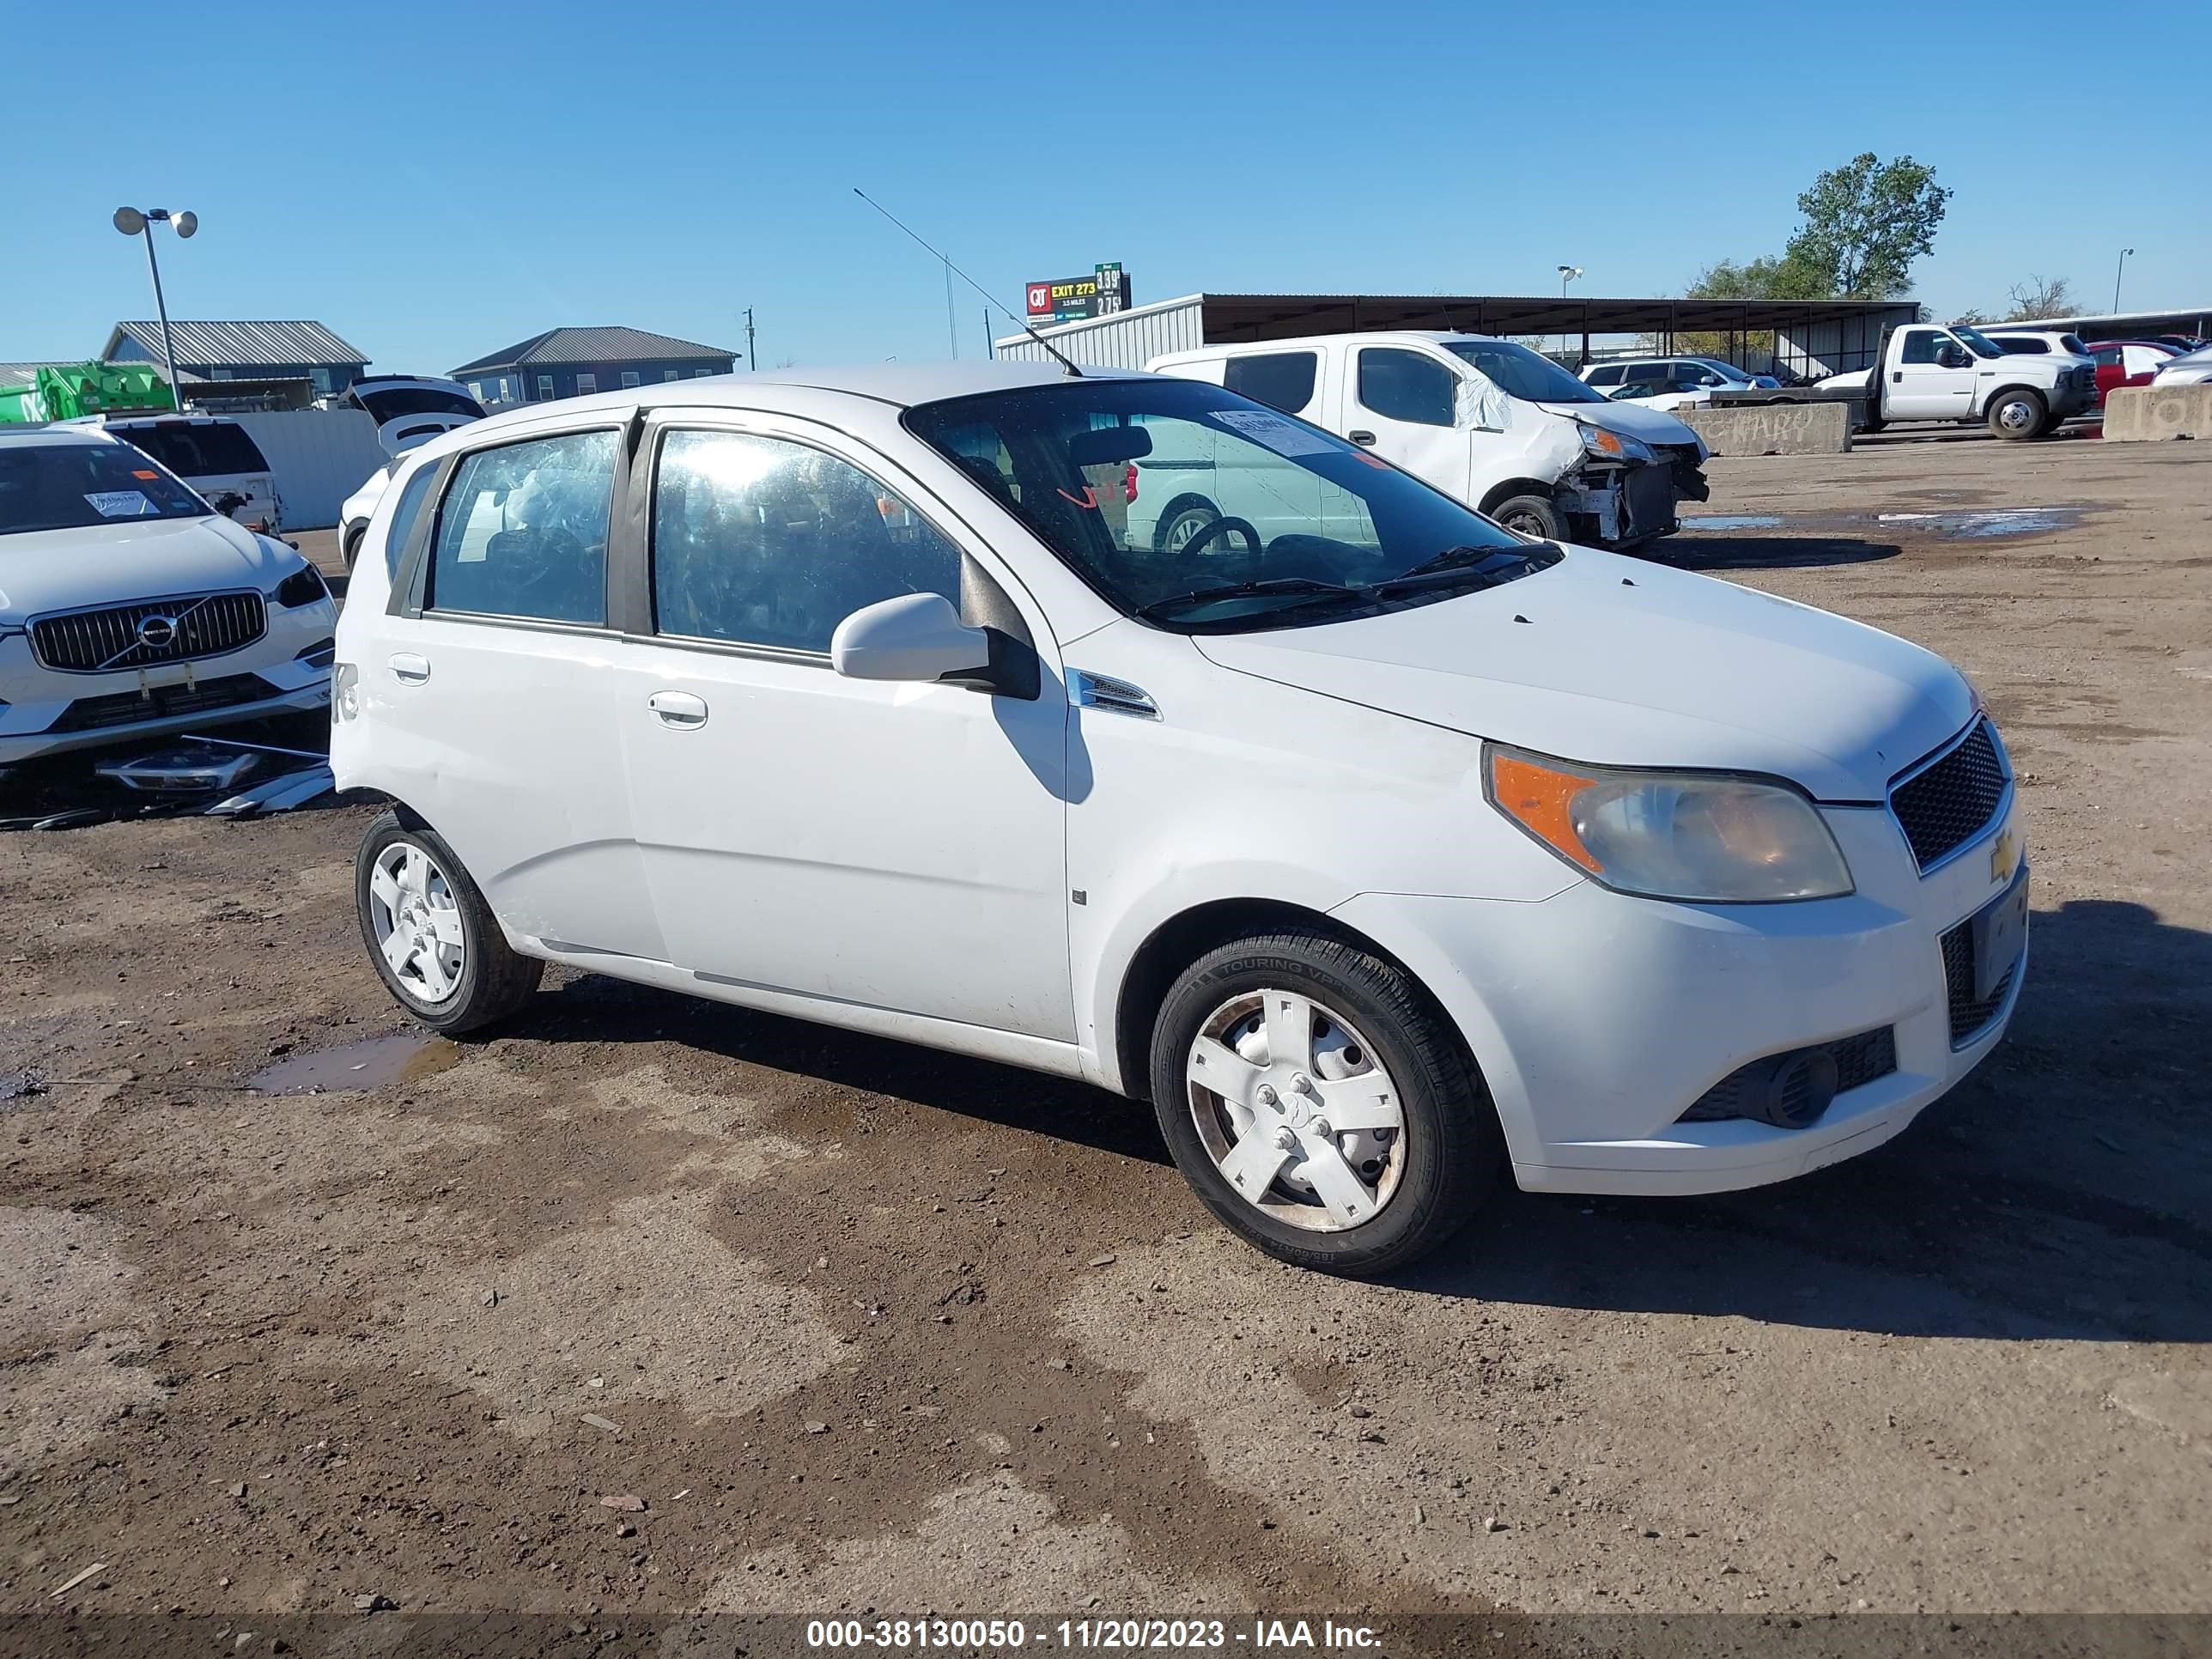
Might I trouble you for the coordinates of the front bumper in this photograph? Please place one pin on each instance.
(44, 712)
(1599, 1019)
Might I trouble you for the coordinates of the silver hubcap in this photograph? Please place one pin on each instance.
(1186, 527)
(417, 922)
(1296, 1112)
(2015, 416)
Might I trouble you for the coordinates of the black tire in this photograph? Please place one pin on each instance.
(1184, 507)
(351, 541)
(494, 981)
(1531, 515)
(2017, 414)
(1451, 1142)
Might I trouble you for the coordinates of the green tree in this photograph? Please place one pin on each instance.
(1764, 278)
(1865, 223)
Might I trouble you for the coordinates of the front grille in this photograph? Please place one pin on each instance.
(1946, 805)
(1859, 1060)
(1969, 1014)
(148, 632)
(162, 702)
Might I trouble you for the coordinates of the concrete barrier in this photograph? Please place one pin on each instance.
(1807, 429)
(2145, 414)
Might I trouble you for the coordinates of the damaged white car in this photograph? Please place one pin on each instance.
(1488, 422)
(129, 607)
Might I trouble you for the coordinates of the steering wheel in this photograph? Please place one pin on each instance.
(1222, 527)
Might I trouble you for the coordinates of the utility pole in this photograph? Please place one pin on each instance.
(752, 362)
(990, 350)
(2118, 271)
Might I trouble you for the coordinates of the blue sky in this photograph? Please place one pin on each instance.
(436, 184)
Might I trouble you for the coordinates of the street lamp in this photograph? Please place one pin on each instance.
(132, 222)
(2117, 273)
(1567, 274)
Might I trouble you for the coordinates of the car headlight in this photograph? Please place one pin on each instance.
(1600, 445)
(303, 587)
(1703, 837)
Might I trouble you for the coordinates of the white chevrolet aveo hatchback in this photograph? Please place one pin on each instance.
(1373, 851)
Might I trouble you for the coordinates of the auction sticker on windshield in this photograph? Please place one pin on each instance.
(120, 503)
(1273, 431)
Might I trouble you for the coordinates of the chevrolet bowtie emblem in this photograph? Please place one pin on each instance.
(2004, 856)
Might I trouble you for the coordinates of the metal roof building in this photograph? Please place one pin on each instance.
(568, 362)
(243, 351)
(1813, 336)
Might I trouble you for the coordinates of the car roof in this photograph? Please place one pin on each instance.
(794, 390)
(31, 437)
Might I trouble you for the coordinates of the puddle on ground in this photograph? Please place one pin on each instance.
(1952, 524)
(396, 1057)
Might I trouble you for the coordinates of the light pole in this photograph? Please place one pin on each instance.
(1567, 274)
(132, 222)
(2118, 272)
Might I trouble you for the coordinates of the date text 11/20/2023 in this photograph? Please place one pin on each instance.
(894, 1634)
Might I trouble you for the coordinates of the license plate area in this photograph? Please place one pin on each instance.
(1999, 934)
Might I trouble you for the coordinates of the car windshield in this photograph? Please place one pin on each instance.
(1977, 343)
(1726, 370)
(1520, 372)
(1207, 511)
(196, 449)
(45, 486)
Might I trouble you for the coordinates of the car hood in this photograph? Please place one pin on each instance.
(44, 570)
(1631, 419)
(1612, 661)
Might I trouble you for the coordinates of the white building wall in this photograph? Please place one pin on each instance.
(319, 457)
(1127, 340)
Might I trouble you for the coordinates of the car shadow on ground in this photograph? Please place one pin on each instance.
(1692, 551)
(2059, 1192)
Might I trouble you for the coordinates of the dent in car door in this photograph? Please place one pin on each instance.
(1403, 403)
(896, 846)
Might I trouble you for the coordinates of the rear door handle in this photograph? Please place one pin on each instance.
(409, 669)
(1361, 437)
(679, 709)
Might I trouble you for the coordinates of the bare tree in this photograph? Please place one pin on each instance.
(2040, 297)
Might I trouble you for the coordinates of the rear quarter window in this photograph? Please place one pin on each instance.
(412, 494)
(193, 449)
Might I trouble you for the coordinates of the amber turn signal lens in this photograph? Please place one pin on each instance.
(1540, 800)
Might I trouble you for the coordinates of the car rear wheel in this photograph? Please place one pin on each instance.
(1317, 1100)
(2018, 414)
(1183, 521)
(432, 939)
(352, 545)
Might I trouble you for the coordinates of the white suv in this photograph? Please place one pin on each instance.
(1375, 849)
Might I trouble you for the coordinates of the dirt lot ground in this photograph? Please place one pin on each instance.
(867, 1326)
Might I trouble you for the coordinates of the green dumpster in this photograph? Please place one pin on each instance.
(74, 389)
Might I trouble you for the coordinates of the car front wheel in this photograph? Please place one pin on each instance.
(1317, 1100)
(432, 938)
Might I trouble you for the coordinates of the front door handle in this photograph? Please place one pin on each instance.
(1361, 437)
(409, 669)
(679, 709)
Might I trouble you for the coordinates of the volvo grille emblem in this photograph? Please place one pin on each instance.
(157, 632)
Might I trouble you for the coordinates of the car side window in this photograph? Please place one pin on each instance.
(2107, 356)
(1688, 377)
(1282, 380)
(1404, 386)
(763, 541)
(1922, 344)
(523, 530)
(411, 497)
(1609, 375)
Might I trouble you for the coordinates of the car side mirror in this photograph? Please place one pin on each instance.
(913, 637)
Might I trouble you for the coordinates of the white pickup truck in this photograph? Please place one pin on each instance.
(1936, 372)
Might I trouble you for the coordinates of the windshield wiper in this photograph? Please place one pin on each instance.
(1291, 584)
(1460, 562)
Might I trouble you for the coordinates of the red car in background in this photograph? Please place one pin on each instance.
(2126, 362)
